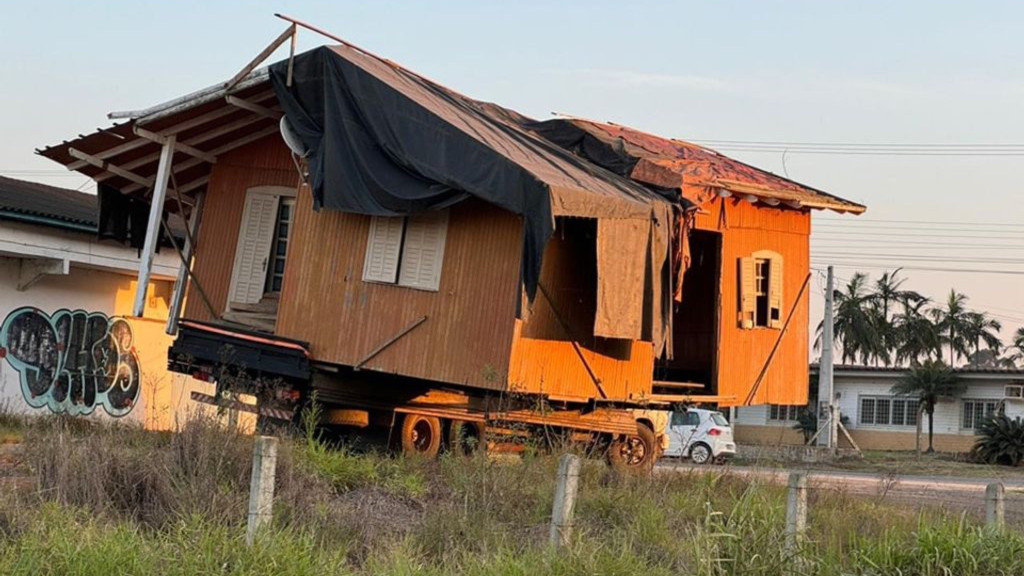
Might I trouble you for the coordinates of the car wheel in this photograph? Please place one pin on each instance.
(701, 454)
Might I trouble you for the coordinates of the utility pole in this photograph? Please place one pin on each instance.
(828, 436)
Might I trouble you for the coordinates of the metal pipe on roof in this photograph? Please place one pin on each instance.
(196, 98)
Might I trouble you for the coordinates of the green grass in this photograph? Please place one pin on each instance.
(123, 501)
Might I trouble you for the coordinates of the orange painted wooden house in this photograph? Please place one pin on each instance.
(748, 260)
(425, 261)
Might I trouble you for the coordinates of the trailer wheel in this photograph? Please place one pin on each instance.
(634, 452)
(465, 438)
(421, 435)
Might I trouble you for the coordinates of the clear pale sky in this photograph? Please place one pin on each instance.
(861, 72)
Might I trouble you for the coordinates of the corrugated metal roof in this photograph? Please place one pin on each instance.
(62, 206)
(701, 173)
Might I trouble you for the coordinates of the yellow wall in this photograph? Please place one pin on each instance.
(165, 400)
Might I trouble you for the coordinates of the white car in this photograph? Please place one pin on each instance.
(701, 435)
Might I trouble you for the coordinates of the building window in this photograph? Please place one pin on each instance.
(780, 413)
(282, 230)
(761, 281)
(407, 251)
(262, 244)
(888, 411)
(977, 411)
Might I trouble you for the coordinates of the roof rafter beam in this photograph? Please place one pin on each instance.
(217, 152)
(219, 131)
(179, 147)
(212, 115)
(289, 32)
(111, 169)
(170, 131)
(253, 107)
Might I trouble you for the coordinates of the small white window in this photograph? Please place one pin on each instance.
(782, 413)
(975, 412)
(407, 251)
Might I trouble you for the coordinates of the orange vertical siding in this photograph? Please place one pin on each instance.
(742, 353)
(543, 358)
(262, 163)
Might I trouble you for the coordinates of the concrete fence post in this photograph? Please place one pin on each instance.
(995, 505)
(796, 510)
(261, 489)
(565, 499)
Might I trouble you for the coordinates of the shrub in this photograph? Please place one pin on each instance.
(1001, 441)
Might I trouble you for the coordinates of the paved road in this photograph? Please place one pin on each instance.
(953, 493)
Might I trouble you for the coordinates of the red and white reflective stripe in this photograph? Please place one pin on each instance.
(276, 413)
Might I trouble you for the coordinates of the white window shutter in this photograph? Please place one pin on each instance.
(748, 292)
(775, 292)
(383, 249)
(423, 252)
(255, 237)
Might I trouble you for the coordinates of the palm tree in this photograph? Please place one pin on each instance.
(952, 321)
(980, 327)
(916, 335)
(888, 293)
(857, 322)
(929, 383)
(1018, 343)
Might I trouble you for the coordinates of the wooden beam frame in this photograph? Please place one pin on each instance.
(253, 107)
(156, 210)
(216, 132)
(184, 271)
(170, 131)
(289, 32)
(111, 169)
(179, 147)
(192, 163)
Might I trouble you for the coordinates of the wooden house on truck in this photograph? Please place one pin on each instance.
(430, 265)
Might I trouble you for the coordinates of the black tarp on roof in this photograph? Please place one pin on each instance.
(384, 141)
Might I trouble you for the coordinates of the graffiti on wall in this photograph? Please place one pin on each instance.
(72, 361)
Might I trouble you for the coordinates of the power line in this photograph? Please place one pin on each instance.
(868, 153)
(939, 222)
(869, 265)
(910, 235)
(858, 144)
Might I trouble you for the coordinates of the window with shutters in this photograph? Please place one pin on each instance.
(760, 285)
(262, 244)
(407, 251)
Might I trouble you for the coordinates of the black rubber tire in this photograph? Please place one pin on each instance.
(697, 454)
(421, 435)
(635, 452)
(465, 438)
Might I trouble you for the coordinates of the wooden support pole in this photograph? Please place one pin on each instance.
(565, 500)
(261, 488)
(184, 270)
(995, 505)
(156, 210)
(796, 510)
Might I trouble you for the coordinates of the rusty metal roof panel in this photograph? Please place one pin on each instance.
(699, 172)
